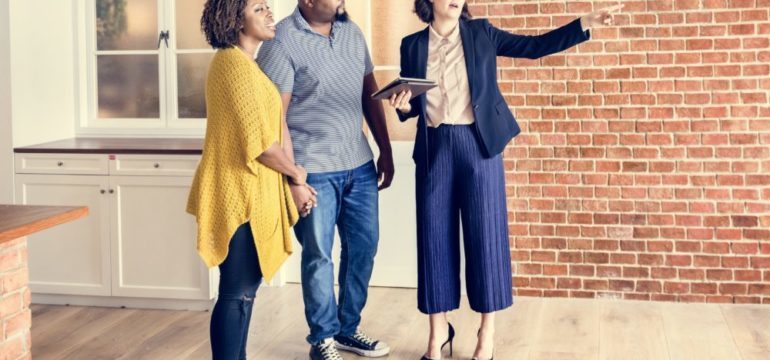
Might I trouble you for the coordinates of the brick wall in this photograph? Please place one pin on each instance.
(641, 169)
(15, 316)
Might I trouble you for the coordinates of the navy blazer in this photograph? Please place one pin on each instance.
(482, 43)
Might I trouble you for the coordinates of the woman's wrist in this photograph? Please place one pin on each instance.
(296, 176)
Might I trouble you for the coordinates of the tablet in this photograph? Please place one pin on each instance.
(418, 86)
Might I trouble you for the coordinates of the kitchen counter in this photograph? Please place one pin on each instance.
(18, 221)
(175, 146)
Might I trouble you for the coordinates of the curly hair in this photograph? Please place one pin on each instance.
(424, 10)
(222, 21)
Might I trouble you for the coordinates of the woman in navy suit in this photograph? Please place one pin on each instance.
(463, 125)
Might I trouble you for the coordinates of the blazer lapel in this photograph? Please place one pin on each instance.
(470, 59)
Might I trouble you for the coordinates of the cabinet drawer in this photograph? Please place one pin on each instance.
(76, 164)
(160, 165)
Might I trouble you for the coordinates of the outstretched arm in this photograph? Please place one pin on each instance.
(554, 41)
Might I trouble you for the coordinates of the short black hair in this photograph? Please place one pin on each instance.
(222, 21)
(424, 10)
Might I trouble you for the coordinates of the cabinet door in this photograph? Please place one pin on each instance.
(153, 240)
(73, 258)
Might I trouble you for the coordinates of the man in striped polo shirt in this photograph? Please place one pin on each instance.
(320, 63)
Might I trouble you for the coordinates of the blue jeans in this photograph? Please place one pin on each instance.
(239, 278)
(347, 199)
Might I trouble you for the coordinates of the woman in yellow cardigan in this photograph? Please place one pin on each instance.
(240, 194)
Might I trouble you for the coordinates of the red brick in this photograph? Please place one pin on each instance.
(745, 247)
(759, 289)
(733, 289)
(636, 272)
(748, 300)
(719, 299)
(620, 258)
(663, 273)
(692, 274)
(528, 292)
(608, 271)
(589, 284)
(671, 287)
(569, 283)
(716, 247)
(621, 285)
(529, 269)
(704, 288)
(11, 303)
(18, 323)
(555, 270)
(719, 274)
(760, 262)
(597, 258)
(663, 297)
(733, 262)
(706, 261)
(581, 270)
(678, 260)
(748, 275)
(555, 293)
(634, 296)
(13, 348)
(542, 283)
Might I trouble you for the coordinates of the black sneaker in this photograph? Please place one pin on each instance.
(325, 350)
(362, 345)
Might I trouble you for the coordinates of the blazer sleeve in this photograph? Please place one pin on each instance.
(406, 59)
(535, 47)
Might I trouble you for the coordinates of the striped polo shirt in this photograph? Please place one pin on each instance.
(325, 76)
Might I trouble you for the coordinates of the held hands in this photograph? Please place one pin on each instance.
(600, 17)
(300, 176)
(400, 101)
(303, 194)
(304, 198)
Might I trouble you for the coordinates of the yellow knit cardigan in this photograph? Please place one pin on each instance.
(230, 186)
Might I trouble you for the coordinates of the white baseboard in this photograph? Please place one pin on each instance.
(123, 302)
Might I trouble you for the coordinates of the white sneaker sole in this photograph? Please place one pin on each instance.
(366, 353)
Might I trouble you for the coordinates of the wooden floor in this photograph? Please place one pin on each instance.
(532, 329)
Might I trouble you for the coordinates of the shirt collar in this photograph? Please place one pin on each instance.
(453, 36)
(302, 24)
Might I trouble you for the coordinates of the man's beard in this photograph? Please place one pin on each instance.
(341, 15)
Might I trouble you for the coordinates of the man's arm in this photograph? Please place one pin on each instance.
(375, 118)
(304, 195)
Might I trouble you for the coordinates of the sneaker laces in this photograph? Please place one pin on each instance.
(360, 336)
(329, 351)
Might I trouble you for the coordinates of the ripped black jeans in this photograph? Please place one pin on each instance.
(239, 278)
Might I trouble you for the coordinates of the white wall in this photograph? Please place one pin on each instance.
(283, 8)
(6, 140)
(42, 50)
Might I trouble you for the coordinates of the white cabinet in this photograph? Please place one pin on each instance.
(137, 242)
(73, 258)
(153, 240)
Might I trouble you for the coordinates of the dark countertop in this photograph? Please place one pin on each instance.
(169, 146)
(17, 221)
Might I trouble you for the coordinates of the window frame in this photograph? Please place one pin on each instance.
(168, 124)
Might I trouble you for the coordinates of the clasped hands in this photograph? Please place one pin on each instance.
(303, 194)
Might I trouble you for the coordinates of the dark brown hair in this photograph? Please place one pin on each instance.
(424, 10)
(222, 21)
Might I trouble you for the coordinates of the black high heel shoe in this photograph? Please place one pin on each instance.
(449, 340)
(493, 350)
